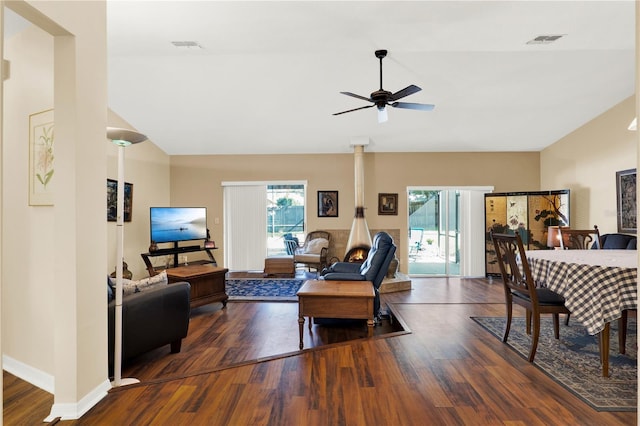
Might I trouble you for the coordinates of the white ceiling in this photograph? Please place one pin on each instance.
(268, 76)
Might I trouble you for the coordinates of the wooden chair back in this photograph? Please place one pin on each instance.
(514, 267)
(580, 239)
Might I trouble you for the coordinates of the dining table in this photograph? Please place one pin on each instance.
(597, 286)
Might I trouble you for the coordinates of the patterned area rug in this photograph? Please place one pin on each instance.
(263, 289)
(574, 360)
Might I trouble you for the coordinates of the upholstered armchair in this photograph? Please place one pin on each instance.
(373, 269)
(313, 252)
(619, 241)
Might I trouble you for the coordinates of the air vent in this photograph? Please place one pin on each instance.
(186, 44)
(545, 39)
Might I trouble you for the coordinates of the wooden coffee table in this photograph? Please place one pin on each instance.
(335, 299)
(207, 283)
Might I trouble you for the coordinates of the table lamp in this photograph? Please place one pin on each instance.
(553, 237)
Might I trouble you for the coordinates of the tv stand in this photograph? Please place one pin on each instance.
(176, 251)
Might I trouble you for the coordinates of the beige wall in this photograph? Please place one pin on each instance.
(196, 181)
(586, 160)
(27, 231)
(53, 296)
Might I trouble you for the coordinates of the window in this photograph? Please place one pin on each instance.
(285, 215)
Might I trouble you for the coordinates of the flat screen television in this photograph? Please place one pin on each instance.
(175, 224)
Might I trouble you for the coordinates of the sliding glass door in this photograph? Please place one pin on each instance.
(434, 234)
(446, 231)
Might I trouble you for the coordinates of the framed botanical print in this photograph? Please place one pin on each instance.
(327, 203)
(41, 165)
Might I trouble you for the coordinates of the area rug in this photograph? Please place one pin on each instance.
(263, 289)
(574, 360)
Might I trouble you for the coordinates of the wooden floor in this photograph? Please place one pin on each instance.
(446, 371)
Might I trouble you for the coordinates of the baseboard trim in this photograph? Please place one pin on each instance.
(73, 411)
(46, 382)
(29, 374)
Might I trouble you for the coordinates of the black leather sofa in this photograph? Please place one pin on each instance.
(619, 242)
(150, 319)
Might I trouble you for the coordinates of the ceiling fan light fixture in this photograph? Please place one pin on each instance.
(382, 115)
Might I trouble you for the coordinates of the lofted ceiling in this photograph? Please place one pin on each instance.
(265, 76)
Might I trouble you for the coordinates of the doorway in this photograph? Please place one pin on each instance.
(446, 231)
(434, 232)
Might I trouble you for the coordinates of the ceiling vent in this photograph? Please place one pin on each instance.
(545, 39)
(186, 44)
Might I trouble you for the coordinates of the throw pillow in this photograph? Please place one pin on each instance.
(131, 286)
(315, 246)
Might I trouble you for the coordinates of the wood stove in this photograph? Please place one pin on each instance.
(357, 254)
(359, 241)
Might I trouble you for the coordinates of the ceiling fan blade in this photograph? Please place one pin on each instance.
(353, 95)
(409, 90)
(351, 110)
(409, 105)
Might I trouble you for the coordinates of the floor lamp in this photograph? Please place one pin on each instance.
(121, 138)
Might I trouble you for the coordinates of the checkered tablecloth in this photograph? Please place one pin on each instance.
(595, 294)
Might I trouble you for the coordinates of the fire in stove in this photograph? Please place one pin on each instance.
(357, 255)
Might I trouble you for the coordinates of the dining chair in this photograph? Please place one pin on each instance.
(622, 330)
(520, 289)
(580, 239)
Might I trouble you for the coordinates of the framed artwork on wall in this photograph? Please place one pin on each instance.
(41, 164)
(626, 201)
(112, 199)
(387, 204)
(327, 203)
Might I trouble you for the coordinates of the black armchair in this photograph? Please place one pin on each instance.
(373, 269)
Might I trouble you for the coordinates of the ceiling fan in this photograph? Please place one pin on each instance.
(381, 98)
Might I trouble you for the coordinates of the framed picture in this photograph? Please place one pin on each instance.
(112, 199)
(388, 204)
(41, 164)
(626, 201)
(327, 203)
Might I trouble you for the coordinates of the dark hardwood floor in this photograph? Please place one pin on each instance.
(446, 371)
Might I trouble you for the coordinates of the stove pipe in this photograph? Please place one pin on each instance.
(359, 236)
